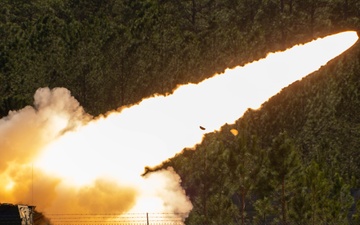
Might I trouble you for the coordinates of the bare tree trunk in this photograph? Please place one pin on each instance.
(193, 12)
(283, 202)
(242, 206)
(205, 189)
(346, 7)
(312, 18)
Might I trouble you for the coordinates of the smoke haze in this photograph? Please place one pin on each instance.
(57, 157)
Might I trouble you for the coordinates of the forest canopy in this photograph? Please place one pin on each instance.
(294, 160)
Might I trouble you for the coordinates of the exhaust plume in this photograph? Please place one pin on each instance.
(57, 157)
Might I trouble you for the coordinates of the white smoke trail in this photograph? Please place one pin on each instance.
(97, 165)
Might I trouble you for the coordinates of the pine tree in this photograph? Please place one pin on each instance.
(284, 162)
(245, 162)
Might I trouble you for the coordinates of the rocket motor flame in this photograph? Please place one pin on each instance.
(84, 164)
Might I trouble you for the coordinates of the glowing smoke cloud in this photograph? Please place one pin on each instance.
(95, 166)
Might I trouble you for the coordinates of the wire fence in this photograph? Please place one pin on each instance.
(115, 219)
(145, 219)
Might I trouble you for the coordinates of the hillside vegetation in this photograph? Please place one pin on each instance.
(295, 161)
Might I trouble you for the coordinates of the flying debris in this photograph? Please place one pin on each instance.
(202, 128)
(234, 132)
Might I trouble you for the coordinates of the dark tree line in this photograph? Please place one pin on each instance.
(115, 52)
(295, 160)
